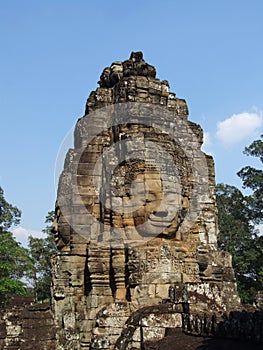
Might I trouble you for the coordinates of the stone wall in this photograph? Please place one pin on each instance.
(25, 327)
(242, 325)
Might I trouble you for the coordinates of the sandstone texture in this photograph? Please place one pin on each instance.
(136, 219)
(24, 326)
(136, 231)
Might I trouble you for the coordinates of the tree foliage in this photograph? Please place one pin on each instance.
(41, 250)
(238, 236)
(14, 259)
(237, 216)
(18, 264)
(9, 215)
(253, 179)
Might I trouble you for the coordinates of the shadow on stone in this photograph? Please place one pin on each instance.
(177, 340)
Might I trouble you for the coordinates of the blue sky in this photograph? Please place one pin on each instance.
(53, 52)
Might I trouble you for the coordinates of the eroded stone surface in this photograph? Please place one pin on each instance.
(24, 326)
(127, 234)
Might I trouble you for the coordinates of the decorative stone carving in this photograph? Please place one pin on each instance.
(136, 215)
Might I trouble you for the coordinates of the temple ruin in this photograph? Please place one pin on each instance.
(136, 220)
(135, 226)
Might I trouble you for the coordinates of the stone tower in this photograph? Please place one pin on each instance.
(136, 220)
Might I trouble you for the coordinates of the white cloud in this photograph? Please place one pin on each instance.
(260, 229)
(21, 234)
(206, 147)
(238, 127)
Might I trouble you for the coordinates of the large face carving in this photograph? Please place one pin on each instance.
(150, 205)
(142, 195)
(136, 172)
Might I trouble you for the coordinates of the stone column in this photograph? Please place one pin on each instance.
(118, 266)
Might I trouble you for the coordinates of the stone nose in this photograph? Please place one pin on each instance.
(162, 212)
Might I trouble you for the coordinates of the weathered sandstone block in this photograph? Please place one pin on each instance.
(136, 219)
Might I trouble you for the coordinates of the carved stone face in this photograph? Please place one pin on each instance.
(141, 201)
(140, 197)
(158, 210)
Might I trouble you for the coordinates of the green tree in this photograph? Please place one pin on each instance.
(14, 259)
(253, 179)
(9, 215)
(238, 236)
(41, 250)
(238, 215)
